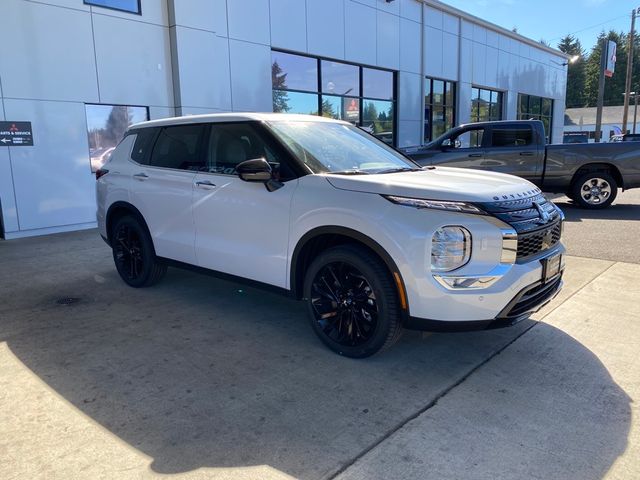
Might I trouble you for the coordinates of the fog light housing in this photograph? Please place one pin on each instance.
(450, 248)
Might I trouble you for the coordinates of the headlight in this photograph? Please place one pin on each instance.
(462, 207)
(450, 248)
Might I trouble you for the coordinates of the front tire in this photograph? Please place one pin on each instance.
(594, 190)
(352, 302)
(134, 255)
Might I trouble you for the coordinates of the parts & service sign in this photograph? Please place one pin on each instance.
(16, 134)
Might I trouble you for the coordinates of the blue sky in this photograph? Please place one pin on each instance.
(552, 19)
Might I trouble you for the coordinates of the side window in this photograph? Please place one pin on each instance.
(233, 143)
(179, 148)
(143, 144)
(468, 139)
(511, 137)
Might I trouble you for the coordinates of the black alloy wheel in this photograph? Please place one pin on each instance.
(352, 301)
(134, 255)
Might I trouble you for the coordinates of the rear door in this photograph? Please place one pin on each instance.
(514, 149)
(465, 148)
(162, 189)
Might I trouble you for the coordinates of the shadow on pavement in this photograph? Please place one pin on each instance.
(198, 372)
(617, 211)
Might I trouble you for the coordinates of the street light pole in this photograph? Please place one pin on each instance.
(635, 112)
(627, 88)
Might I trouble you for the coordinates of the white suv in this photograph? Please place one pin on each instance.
(323, 211)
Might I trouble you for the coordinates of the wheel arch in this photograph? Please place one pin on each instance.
(319, 239)
(599, 167)
(118, 210)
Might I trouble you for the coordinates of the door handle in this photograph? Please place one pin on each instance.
(475, 155)
(526, 154)
(141, 176)
(205, 184)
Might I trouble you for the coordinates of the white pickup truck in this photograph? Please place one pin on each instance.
(322, 211)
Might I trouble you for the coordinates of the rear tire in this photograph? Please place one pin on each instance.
(594, 190)
(352, 302)
(134, 255)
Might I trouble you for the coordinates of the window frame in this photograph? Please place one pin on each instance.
(92, 4)
(527, 115)
(361, 97)
(501, 97)
(453, 106)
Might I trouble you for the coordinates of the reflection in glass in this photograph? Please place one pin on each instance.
(106, 125)
(438, 92)
(377, 83)
(293, 72)
(295, 102)
(439, 107)
(341, 108)
(532, 107)
(377, 118)
(340, 78)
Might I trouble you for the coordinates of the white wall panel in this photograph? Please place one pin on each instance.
(388, 40)
(410, 96)
(138, 55)
(491, 69)
(466, 60)
(450, 24)
(410, 48)
(432, 52)
(289, 24)
(249, 20)
(493, 39)
(53, 181)
(432, 17)
(250, 76)
(152, 12)
(504, 70)
(466, 29)
(479, 76)
(202, 14)
(201, 111)
(479, 34)
(389, 7)
(450, 57)
(203, 60)
(504, 43)
(161, 112)
(46, 52)
(9, 210)
(325, 27)
(409, 133)
(360, 45)
(411, 9)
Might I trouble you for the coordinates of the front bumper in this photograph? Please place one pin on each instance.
(528, 301)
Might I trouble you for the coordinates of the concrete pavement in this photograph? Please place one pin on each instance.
(201, 378)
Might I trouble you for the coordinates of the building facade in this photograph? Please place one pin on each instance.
(80, 71)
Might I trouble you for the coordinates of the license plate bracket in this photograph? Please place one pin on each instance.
(551, 267)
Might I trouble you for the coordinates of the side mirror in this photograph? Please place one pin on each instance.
(256, 170)
(446, 143)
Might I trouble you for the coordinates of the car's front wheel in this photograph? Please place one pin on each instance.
(352, 302)
(134, 255)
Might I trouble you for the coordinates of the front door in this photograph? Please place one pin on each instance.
(463, 149)
(241, 227)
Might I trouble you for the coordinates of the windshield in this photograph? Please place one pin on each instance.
(339, 148)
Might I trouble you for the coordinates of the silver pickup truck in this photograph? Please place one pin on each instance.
(590, 174)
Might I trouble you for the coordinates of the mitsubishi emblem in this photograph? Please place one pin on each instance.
(547, 240)
(544, 216)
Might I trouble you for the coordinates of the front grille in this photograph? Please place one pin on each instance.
(531, 300)
(532, 243)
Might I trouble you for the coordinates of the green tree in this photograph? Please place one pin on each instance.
(327, 110)
(279, 83)
(117, 122)
(576, 74)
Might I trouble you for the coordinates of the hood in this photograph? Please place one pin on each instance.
(439, 183)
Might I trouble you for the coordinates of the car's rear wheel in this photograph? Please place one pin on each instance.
(134, 255)
(594, 190)
(352, 302)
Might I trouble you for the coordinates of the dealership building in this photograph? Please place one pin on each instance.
(75, 73)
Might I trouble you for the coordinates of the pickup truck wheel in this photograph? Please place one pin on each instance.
(594, 190)
(352, 302)
(134, 255)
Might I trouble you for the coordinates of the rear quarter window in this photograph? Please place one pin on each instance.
(143, 144)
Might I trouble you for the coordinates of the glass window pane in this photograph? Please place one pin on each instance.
(438, 92)
(341, 108)
(547, 106)
(439, 123)
(427, 124)
(106, 125)
(511, 137)
(377, 118)
(294, 72)
(132, 6)
(449, 118)
(143, 143)
(449, 94)
(295, 102)
(340, 78)
(484, 95)
(475, 138)
(495, 111)
(534, 105)
(377, 83)
(523, 101)
(178, 148)
(427, 94)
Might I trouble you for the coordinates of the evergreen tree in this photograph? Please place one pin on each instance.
(117, 122)
(279, 83)
(576, 74)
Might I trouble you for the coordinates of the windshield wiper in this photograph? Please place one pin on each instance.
(350, 172)
(401, 169)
